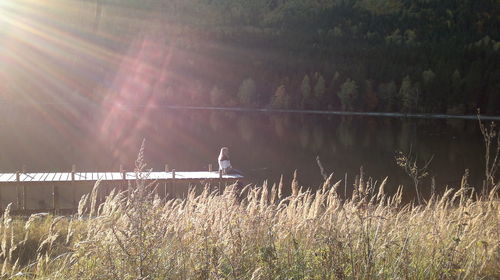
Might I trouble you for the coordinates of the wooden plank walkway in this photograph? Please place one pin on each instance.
(59, 192)
(112, 176)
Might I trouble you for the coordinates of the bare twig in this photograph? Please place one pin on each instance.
(321, 169)
(408, 161)
(491, 156)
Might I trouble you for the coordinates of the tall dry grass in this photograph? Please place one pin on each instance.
(308, 235)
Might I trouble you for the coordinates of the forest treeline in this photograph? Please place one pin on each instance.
(359, 55)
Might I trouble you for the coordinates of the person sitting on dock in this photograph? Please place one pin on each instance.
(224, 162)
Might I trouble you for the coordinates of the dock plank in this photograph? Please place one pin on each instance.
(80, 176)
(112, 176)
(44, 177)
(117, 176)
(51, 177)
(130, 176)
(12, 177)
(57, 177)
(38, 177)
(65, 177)
(31, 176)
(23, 177)
(3, 177)
(154, 175)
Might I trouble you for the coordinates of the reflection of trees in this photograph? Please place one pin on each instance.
(333, 145)
(246, 128)
(304, 136)
(370, 128)
(230, 115)
(318, 137)
(279, 125)
(456, 124)
(407, 136)
(345, 132)
(453, 147)
(385, 138)
(367, 139)
(214, 120)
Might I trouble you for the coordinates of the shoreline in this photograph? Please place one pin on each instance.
(291, 111)
(339, 113)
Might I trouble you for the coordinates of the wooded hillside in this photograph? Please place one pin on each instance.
(363, 55)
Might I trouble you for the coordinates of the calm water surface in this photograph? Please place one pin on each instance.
(264, 146)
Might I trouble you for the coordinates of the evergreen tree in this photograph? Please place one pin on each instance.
(319, 89)
(370, 97)
(408, 95)
(456, 99)
(387, 93)
(428, 77)
(305, 90)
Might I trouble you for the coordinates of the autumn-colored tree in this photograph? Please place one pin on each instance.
(347, 94)
(281, 99)
(408, 95)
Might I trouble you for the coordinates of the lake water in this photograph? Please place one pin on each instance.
(262, 145)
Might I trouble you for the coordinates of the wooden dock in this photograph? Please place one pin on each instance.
(60, 192)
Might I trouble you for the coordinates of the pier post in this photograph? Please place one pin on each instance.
(220, 180)
(124, 178)
(122, 172)
(73, 187)
(18, 191)
(172, 189)
(55, 199)
(210, 181)
(23, 188)
(165, 185)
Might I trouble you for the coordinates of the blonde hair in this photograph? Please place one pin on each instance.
(224, 151)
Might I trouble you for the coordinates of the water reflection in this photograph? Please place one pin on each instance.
(318, 137)
(264, 145)
(245, 127)
(280, 125)
(345, 132)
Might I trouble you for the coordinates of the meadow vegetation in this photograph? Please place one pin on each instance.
(259, 233)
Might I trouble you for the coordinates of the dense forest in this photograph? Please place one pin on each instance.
(424, 56)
